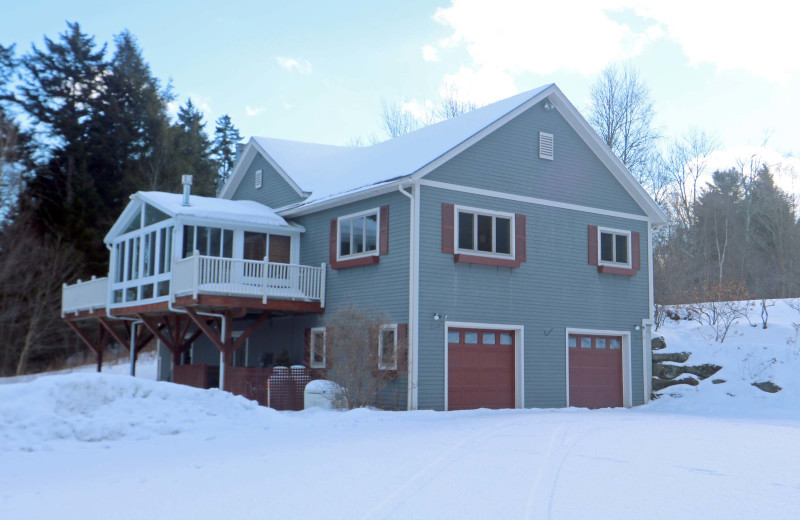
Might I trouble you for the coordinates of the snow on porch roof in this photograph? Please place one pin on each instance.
(326, 170)
(240, 211)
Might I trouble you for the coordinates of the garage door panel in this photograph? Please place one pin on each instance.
(595, 373)
(481, 372)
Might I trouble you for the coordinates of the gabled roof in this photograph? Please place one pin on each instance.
(242, 212)
(333, 172)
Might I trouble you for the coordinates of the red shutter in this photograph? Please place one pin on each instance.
(520, 243)
(333, 243)
(307, 348)
(636, 261)
(384, 245)
(448, 227)
(593, 245)
(402, 346)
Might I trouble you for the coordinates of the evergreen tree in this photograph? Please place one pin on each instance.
(225, 138)
(193, 152)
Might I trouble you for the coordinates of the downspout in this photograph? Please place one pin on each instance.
(413, 296)
(647, 324)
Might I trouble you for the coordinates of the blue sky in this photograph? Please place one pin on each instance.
(317, 71)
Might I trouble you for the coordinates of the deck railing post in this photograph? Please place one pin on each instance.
(195, 273)
(265, 274)
(323, 274)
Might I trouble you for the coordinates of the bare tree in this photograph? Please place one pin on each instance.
(354, 359)
(686, 163)
(621, 112)
(398, 121)
(451, 104)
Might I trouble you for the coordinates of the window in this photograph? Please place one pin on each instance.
(207, 241)
(259, 176)
(387, 347)
(614, 247)
(358, 235)
(484, 233)
(317, 347)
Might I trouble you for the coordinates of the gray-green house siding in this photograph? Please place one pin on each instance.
(274, 192)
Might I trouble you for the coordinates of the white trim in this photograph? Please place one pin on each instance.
(613, 232)
(529, 200)
(317, 330)
(381, 365)
(519, 356)
(627, 368)
(352, 216)
(488, 213)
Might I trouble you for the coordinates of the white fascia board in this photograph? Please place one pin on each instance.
(654, 213)
(425, 170)
(126, 214)
(237, 225)
(240, 168)
(347, 198)
(618, 170)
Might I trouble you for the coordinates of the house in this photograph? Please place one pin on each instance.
(508, 246)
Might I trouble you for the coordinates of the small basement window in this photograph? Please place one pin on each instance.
(615, 247)
(484, 232)
(318, 347)
(358, 234)
(387, 348)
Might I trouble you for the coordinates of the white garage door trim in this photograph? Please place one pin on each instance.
(519, 357)
(627, 369)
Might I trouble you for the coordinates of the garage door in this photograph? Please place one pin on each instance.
(480, 369)
(595, 371)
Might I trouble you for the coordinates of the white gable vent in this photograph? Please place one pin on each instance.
(259, 178)
(545, 146)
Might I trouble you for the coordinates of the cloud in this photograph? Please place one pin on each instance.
(419, 111)
(429, 53)
(512, 37)
(300, 66)
(253, 111)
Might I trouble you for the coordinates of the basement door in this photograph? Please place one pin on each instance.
(480, 369)
(595, 371)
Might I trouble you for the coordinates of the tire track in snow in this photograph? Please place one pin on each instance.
(421, 478)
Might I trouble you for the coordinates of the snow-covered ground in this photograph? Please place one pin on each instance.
(83, 445)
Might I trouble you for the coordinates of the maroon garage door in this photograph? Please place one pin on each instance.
(480, 369)
(595, 371)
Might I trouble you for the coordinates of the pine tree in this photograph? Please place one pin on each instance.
(193, 152)
(225, 138)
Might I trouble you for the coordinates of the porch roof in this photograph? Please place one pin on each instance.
(242, 212)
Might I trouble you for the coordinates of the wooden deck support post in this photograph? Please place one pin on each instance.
(97, 346)
(223, 339)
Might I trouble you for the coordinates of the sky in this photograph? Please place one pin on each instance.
(318, 71)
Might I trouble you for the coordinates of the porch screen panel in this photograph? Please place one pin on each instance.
(227, 243)
(255, 246)
(279, 248)
(188, 241)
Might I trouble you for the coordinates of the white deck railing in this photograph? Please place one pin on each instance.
(197, 275)
(83, 296)
(236, 277)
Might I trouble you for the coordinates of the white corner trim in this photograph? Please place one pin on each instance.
(530, 200)
(627, 367)
(519, 357)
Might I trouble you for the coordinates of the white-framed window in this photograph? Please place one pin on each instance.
(317, 347)
(614, 247)
(358, 234)
(387, 347)
(485, 233)
(259, 178)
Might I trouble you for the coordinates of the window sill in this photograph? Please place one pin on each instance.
(610, 269)
(355, 262)
(486, 260)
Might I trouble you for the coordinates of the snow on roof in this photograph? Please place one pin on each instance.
(244, 211)
(326, 170)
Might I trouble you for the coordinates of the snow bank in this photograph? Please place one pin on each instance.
(749, 355)
(99, 407)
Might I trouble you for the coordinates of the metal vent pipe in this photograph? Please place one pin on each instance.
(187, 189)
